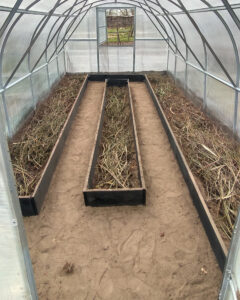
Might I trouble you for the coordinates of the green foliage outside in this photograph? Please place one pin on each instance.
(120, 35)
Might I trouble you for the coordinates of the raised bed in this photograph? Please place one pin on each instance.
(31, 204)
(114, 196)
(210, 227)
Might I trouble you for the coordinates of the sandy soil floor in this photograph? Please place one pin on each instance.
(155, 252)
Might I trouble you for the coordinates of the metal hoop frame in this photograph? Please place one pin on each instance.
(67, 22)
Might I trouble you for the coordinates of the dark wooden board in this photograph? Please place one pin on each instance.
(209, 225)
(31, 205)
(104, 197)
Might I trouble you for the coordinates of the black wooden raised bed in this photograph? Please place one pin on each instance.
(31, 205)
(206, 218)
(120, 196)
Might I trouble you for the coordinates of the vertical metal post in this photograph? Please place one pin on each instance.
(235, 113)
(6, 114)
(168, 53)
(205, 78)
(186, 78)
(64, 59)
(48, 76)
(15, 225)
(134, 44)
(186, 73)
(58, 65)
(98, 67)
(32, 92)
(106, 25)
(175, 67)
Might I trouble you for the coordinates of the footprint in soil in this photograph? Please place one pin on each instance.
(68, 268)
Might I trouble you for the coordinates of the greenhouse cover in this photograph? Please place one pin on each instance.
(197, 41)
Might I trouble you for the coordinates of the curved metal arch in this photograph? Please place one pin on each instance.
(152, 10)
(51, 12)
(9, 17)
(33, 41)
(34, 33)
(6, 39)
(234, 44)
(235, 117)
(165, 30)
(232, 13)
(190, 49)
(94, 4)
(59, 32)
(169, 37)
(60, 27)
(70, 26)
(207, 43)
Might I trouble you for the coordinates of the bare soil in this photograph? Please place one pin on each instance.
(211, 151)
(31, 146)
(157, 251)
(116, 166)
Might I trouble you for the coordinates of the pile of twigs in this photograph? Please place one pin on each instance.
(31, 146)
(213, 155)
(116, 166)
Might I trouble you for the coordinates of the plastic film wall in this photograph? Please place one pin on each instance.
(27, 77)
(204, 77)
(197, 41)
(149, 52)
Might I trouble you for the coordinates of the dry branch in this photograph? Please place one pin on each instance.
(116, 166)
(213, 155)
(31, 146)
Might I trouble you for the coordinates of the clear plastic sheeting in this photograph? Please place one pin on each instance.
(220, 101)
(195, 83)
(115, 59)
(81, 56)
(145, 27)
(14, 280)
(196, 41)
(151, 55)
(19, 103)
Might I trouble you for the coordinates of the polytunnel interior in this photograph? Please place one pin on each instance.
(196, 42)
(179, 36)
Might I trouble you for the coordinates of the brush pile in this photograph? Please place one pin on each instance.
(30, 148)
(116, 166)
(213, 155)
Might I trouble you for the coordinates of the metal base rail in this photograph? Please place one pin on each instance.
(209, 225)
(31, 204)
(105, 197)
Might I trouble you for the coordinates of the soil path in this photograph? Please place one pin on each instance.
(155, 252)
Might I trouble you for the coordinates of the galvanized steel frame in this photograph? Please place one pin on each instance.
(154, 10)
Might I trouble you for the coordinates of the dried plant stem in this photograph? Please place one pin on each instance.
(116, 166)
(213, 155)
(31, 146)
